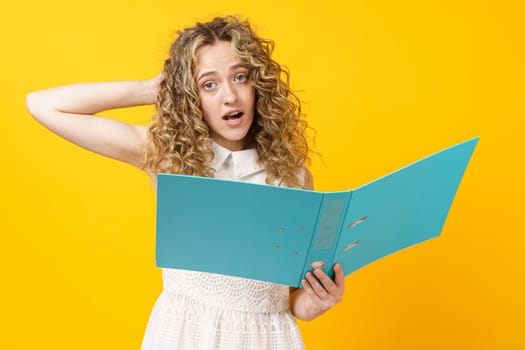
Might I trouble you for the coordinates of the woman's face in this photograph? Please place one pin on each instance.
(227, 96)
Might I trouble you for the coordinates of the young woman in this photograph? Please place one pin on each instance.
(224, 109)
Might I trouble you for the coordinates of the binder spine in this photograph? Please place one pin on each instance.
(326, 234)
(340, 231)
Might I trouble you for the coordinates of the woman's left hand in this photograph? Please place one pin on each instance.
(320, 293)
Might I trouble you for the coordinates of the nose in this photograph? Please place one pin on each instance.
(229, 93)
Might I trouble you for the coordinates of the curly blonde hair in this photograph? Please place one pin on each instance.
(179, 139)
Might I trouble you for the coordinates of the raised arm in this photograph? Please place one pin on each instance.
(69, 111)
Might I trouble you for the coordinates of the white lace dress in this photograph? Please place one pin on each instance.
(199, 310)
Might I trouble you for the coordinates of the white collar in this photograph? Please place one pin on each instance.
(244, 161)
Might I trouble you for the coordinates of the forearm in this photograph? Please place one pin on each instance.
(90, 98)
(69, 111)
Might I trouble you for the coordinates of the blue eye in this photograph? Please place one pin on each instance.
(209, 85)
(241, 78)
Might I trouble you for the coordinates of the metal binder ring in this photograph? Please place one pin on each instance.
(351, 245)
(358, 221)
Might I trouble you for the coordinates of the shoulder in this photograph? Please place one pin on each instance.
(308, 180)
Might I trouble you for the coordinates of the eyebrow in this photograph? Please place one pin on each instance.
(232, 68)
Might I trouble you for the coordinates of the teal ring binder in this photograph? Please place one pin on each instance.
(276, 233)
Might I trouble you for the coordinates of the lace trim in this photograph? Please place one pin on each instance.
(227, 292)
(187, 309)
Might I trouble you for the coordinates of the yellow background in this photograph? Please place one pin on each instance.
(384, 84)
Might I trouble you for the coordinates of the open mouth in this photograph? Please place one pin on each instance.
(233, 116)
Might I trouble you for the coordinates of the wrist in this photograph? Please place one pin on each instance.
(302, 306)
(151, 88)
(148, 92)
